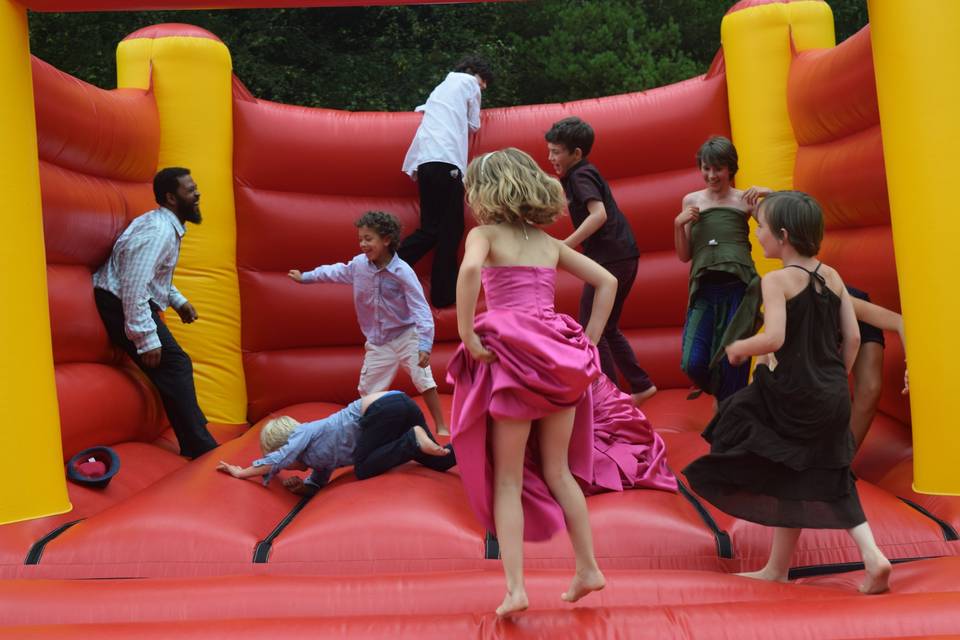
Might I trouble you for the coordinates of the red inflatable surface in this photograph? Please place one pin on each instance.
(401, 555)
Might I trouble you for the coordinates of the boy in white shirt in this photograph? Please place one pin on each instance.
(437, 160)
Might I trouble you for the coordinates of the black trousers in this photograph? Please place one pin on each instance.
(615, 350)
(387, 439)
(173, 378)
(441, 226)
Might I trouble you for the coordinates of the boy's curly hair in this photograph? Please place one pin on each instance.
(384, 224)
(276, 432)
(508, 186)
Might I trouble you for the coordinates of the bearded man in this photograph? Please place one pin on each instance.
(135, 285)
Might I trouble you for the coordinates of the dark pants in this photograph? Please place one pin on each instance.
(615, 351)
(173, 378)
(441, 226)
(387, 439)
(708, 317)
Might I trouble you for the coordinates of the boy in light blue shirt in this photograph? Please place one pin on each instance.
(391, 309)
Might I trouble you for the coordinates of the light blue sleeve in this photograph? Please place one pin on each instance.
(420, 310)
(339, 273)
(285, 455)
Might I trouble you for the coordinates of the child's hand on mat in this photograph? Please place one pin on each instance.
(293, 483)
(424, 360)
(477, 350)
(232, 469)
(295, 275)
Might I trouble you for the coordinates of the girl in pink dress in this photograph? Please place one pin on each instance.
(525, 368)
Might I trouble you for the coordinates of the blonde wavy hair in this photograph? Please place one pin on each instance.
(508, 186)
(276, 432)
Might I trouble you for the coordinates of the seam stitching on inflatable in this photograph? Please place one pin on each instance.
(36, 549)
(261, 553)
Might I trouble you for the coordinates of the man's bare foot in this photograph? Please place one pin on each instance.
(583, 584)
(426, 445)
(643, 396)
(443, 431)
(765, 574)
(878, 574)
(513, 602)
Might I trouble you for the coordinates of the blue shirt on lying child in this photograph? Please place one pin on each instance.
(322, 445)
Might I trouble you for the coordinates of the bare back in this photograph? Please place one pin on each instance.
(520, 246)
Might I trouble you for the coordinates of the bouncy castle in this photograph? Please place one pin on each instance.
(172, 548)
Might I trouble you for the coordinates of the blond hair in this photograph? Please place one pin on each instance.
(276, 432)
(508, 186)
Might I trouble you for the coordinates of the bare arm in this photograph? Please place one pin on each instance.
(681, 227)
(848, 329)
(775, 324)
(602, 281)
(596, 218)
(468, 289)
(240, 472)
(878, 316)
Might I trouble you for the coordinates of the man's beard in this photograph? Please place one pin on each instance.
(186, 211)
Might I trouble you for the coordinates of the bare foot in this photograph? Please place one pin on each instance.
(764, 574)
(643, 396)
(426, 445)
(878, 574)
(513, 602)
(583, 584)
(443, 431)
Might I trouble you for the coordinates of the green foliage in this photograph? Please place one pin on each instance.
(388, 58)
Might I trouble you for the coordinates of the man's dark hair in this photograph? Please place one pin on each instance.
(167, 181)
(573, 133)
(800, 215)
(718, 152)
(384, 224)
(475, 66)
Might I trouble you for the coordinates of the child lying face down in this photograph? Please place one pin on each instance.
(374, 434)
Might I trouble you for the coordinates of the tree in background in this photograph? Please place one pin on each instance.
(388, 58)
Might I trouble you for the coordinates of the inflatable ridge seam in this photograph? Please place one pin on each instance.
(261, 553)
(721, 537)
(36, 549)
(949, 533)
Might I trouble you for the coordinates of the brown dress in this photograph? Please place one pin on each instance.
(781, 448)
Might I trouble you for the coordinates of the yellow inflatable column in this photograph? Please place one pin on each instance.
(757, 52)
(191, 74)
(916, 46)
(29, 417)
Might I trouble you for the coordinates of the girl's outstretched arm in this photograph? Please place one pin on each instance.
(602, 281)
(774, 322)
(468, 289)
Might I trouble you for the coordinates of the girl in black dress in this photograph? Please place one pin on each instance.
(781, 448)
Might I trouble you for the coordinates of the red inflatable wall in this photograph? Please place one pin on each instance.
(98, 152)
(304, 175)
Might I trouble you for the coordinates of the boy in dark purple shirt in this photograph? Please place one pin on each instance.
(605, 234)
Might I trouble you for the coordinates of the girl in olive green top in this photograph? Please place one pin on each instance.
(712, 233)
